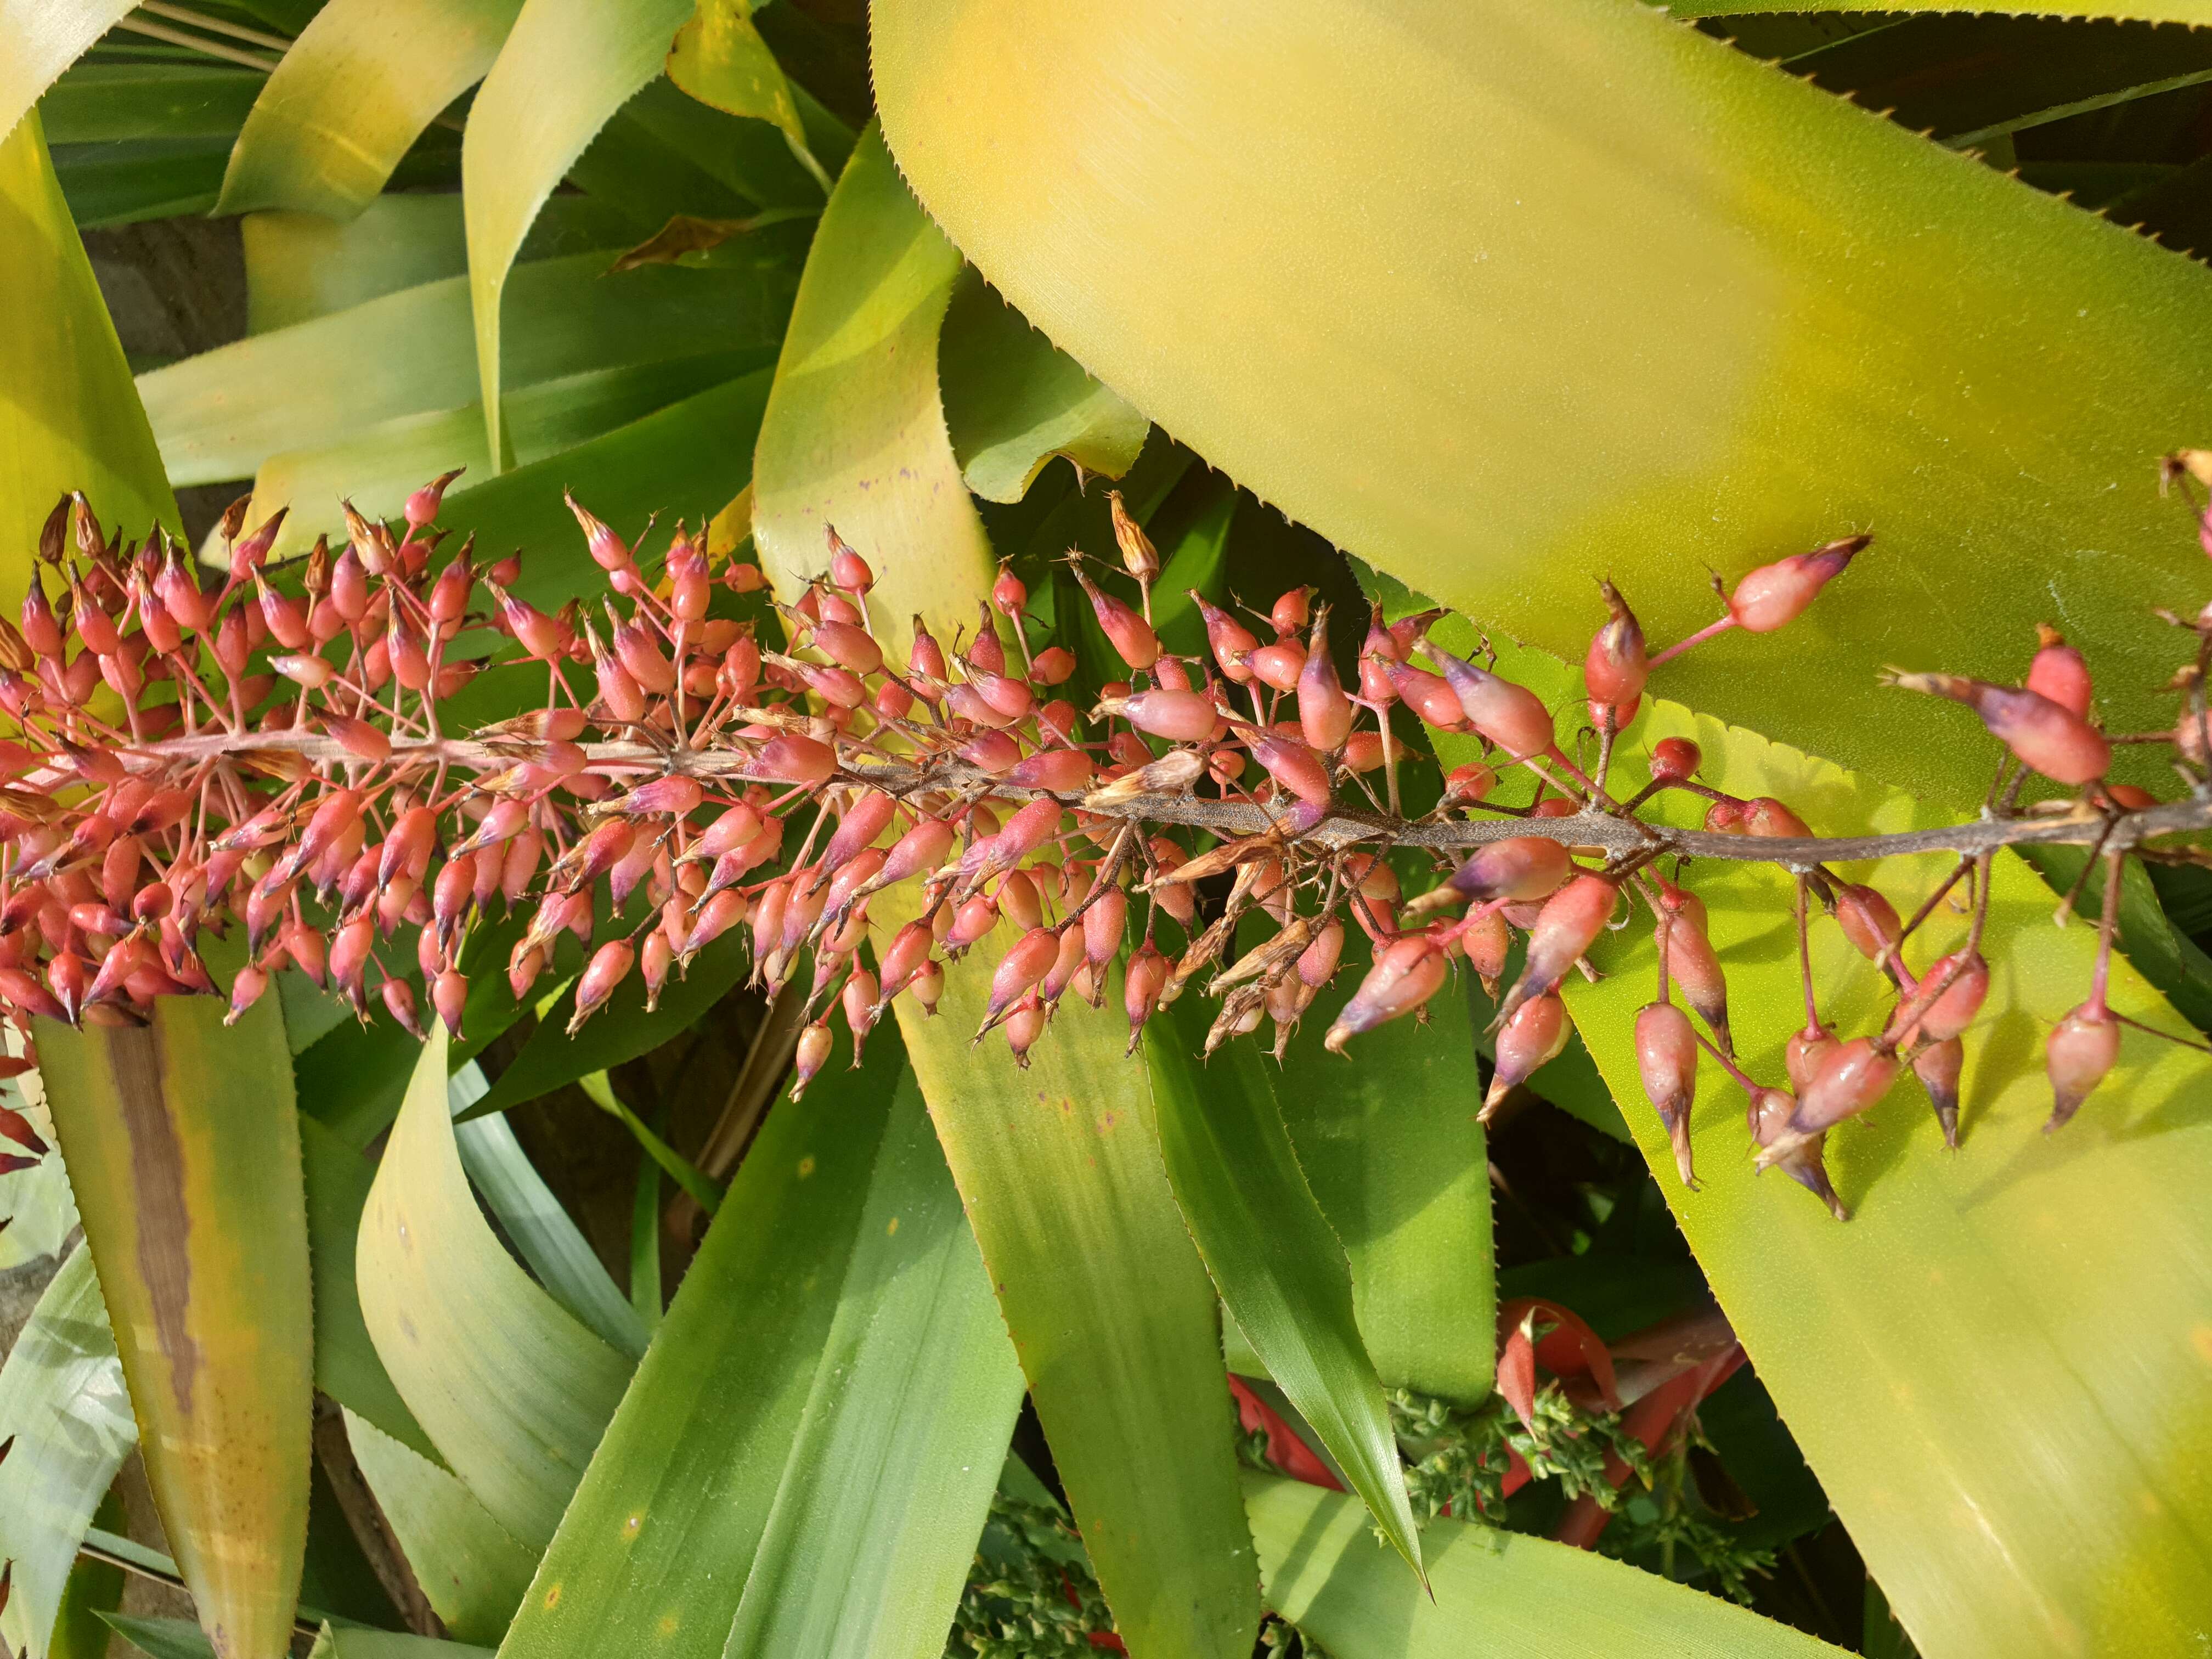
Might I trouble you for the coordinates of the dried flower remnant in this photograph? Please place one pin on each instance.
(284, 766)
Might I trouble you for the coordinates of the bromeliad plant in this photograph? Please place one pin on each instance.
(281, 767)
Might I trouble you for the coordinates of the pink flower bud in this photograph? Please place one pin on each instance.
(1778, 594)
(921, 848)
(1018, 900)
(2059, 673)
(1767, 817)
(1292, 765)
(1317, 963)
(1852, 1079)
(1469, 782)
(1290, 609)
(715, 918)
(1062, 771)
(1675, 760)
(1807, 1051)
(925, 658)
(1427, 695)
(606, 548)
(245, 991)
(972, 922)
(1520, 869)
(408, 847)
(848, 570)
(1800, 1155)
(1667, 1059)
(1024, 1027)
(1010, 595)
(1141, 985)
(1938, 1066)
(1407, 974)
(41, 632)
(1954, 1010)
(1613, 669)
(810, 1056)
(851, 648)
(399, 1001)
(1130, 634)
(610, 965)
(793, 757)
(675, 796)
(1695, 968)
(1178, 716)
(1229, 640)
(2082, 1049)
(94, 625)
(1026, 962)
(1533, 1034)
(1869, 921)
(1324, 711)
(1103, 923)
(1568, 925)
(1511, 716)
(1725, 818)
(990, 751)
(2046, 736)
(1278, 664)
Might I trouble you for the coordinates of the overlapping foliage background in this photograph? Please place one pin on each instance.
(1494, 298)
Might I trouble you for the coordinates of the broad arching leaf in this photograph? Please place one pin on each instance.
(1518, 293)
(512, 1389)
(566, 67)
(44, 37)
(355, 90)
(854, 435)
(183, 1145)
(69, 418)
(1498, 1593)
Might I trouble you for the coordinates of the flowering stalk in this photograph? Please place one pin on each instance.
(280, 762)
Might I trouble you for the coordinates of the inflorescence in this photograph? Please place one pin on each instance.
(267, 755)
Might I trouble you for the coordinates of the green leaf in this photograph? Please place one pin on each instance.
(44, 37)
(347, 1368)
(339, 1641)
(63, 1403)
(1860, 331)
(95, 101)
(567, 66)
(1401, 1169)
(2042, 1373)
(903, 1434)
(356, 88)
(222, 414)
(1498, 1593)
(539, 1229)
(1280, 1268)
(2165, 955)
(300, 266)
(854, 435)
(1109, 1307)
(1013, 400)
(692, 1463)
(93, 1587)
(37, 1199)
(183, 1146)
(705, 1190)
(164, 1638)
(621, 1031)
(512, 1390)
(720, 58)
(470, 1568)
(379, 467)
(69, 419)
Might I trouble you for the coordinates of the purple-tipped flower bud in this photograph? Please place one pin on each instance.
(1521, 869)
(1406, 973)
(1324, 711)
(1511, 716)
(1230, 641)
(1775, 594)
(449, 995)
(1613, 669)
(1532, 1033)
(2082, 1048)
(1938, 1066)
(810, 1056)
(1568, 925)
(2045, 737)
(1807, 1051)
(610, 965)
(1132, 635)
(2059, 673)
(1851, 1081)
(1667, 1059)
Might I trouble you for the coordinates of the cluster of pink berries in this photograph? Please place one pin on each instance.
(271, 759)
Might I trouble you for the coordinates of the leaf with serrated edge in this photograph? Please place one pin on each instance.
(1856, 330)
(471, 1567)
(44, 37)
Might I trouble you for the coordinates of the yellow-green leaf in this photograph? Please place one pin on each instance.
(854, 435)
(566, 67)
(471, 1567)
(355, 90)
(44, 37)
(1516, 292)
(69, 416)
(183, 1146)
(64, 1406)
(1500, 1595)
(1013, 400)
(512, 1389)
(2014, 1333)
(1109, 1303)
(720, 58)
(2148, 11)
